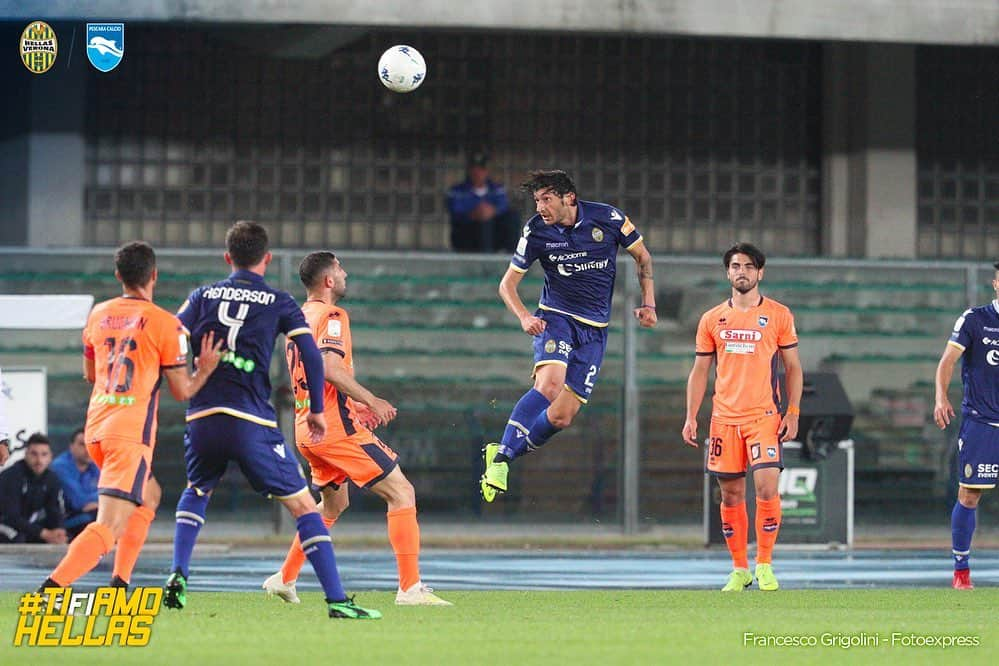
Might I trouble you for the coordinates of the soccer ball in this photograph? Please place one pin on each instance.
(402, 69)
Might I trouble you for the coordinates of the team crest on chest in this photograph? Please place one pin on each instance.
(762, 321)
(598, 235)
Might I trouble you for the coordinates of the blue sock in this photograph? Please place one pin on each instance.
(318, 547)
(190, 519)
(524, 413)
(541, 430)
(962, 527)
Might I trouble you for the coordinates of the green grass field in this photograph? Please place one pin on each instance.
(551, 628)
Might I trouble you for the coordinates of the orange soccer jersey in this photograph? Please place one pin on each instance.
(747, 348)
(131, 341)
(330, 326)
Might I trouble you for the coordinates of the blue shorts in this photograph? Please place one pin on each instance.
(260, 451)
(578, 346)
(978, 454)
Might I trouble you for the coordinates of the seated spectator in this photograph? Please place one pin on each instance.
(31, 497)
(78, 475)
(481, 217)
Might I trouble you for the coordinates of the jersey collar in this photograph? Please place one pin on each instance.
(243, 274)
(755, 306)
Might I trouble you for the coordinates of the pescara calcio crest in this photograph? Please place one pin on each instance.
(105, 45)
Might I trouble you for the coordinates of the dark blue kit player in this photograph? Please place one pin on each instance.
(231, 418)
(576, 243)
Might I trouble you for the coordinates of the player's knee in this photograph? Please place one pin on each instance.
(733, 497)
(152, 495)
(968, 498)
(560, 419)
(549, 389)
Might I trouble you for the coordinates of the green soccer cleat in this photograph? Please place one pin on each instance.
(175, 591)
(765, 578)
(347, 609)
(738, 580)
(493, 479)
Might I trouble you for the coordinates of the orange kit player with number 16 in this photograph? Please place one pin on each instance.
(747, 336)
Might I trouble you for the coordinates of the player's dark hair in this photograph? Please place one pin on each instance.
(246, 243)
(76, 431)
(747, 249)
(557, 181)
(135, 263)
(37, 438)
(996, 265)
(313, 266)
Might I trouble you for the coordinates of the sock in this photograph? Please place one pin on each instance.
(735, 527)
(190, 519)
(131, 542)
(767, 527)
(541, 431)
(404, 535)
(318, 547)
(524, 413)
(962, 528)
(295, 558)
(86, 550)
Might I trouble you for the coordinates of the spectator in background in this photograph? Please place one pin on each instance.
(481, 217)
(31, 508)
(78, 475)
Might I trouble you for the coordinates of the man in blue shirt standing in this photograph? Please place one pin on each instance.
(975, 339)
(78, 475)
(481, 217)
(576, 243)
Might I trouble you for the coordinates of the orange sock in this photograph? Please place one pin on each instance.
(404, 535)
(295, 559)
(85, 551)
(767, 526)
(131, 542)
(735, 527)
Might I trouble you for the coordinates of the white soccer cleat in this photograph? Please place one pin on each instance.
(276, 586)
(419, 595)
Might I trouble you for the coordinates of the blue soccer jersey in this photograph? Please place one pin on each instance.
(976, 334)
(580, 262)
(248, 314)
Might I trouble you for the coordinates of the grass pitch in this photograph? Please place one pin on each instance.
(553, 628)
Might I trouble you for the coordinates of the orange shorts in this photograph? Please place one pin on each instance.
(125, 467)
(733, 448)
(361, 457)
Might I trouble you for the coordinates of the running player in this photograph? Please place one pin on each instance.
(746, 336)
(232, 420)
(975, 339)
(350, 450)
(576, 243)
(129, 345)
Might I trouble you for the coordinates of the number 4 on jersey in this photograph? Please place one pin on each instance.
(232, 323)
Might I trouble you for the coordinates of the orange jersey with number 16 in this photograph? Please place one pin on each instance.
(131, 341)
(746, 346)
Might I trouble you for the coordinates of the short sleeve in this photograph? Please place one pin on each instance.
(172, 342)
(188, 312)
(705, 342)
(628, 235)
(292, 319)
(788, 336)
(332, 332)
(525, 254)
(962, 335)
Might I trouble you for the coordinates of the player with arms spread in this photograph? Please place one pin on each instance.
(350, 450)
(975, 340)
(233, 420)
(576, 243)
(746, 336)
(129, 345)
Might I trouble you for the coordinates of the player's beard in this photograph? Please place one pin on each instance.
(744, 287)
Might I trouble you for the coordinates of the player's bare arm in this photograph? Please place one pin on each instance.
(508, 292)
(943, 411)
(794, 381)
(89, 370)
(646, 312)
(337, 375)
(697, 384)
(184, 385)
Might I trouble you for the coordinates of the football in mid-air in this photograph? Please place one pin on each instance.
(402, 69)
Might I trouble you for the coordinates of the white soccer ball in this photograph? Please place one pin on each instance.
(402, 69)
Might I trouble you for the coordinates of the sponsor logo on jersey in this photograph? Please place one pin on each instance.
(988, 470)
(566, 257)
(555, 246)
(992, 357)
(740, 347)
(735, 334)
(569, 269)
(38, 47)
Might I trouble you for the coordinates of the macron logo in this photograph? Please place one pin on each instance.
(279, 449)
